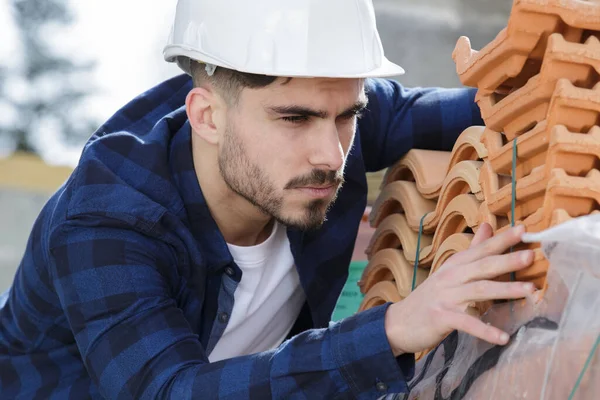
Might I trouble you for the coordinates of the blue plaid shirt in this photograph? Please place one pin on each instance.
(126, 284)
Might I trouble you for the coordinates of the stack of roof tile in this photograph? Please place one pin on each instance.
(539, 94)
(442, 190)
(538, 87)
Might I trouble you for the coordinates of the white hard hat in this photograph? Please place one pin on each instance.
(291, 38)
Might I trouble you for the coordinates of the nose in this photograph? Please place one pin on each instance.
(327, 152)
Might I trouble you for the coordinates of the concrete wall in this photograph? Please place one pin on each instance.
(420, 35)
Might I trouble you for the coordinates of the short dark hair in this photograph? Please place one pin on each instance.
(228, 82)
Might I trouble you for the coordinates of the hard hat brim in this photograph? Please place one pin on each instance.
(181, 55)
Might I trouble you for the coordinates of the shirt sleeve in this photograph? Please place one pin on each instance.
(135, 341)
(398, 119)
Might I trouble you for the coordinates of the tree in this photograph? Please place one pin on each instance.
(49, 86)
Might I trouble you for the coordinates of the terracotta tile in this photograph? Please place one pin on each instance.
(427, 167)
(401, 196)
(500, 60)
(531, 191)
(461, 213)
(495, 221)
(583, 14)
(577, 195)
(515, 113)
(453, 244)
(381, 293)
(430, 168)
(513, 56)
(576, 108)
(391, 265)
(576, 153)
(394, 232)
(468, 146)
(462, 179)
(491, 182)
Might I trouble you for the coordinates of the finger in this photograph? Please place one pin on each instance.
(475, 327)
(494, 266)
(483, 233)
(497, 244)
(490, 290)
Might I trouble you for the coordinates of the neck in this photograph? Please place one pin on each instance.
(240, 222)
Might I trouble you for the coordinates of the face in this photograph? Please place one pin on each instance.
(284, 147)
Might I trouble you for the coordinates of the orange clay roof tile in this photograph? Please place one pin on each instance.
(501, 64)
(580, 63)
(401, 196)
(576, 108)
(577, 195)
(453, 244)
(576, 153)
(381, 293)
(390, 265)
(461, 213)
(427, 167)
(404, 196)
(393, 232)
(495, 221)
(468, 146)
(462, 179)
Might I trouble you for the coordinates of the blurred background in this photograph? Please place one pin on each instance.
(66, 66)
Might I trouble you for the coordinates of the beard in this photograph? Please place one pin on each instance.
(249, 181)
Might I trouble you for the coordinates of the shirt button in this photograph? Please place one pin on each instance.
(381, 387)
(229, 271)
(223, 317)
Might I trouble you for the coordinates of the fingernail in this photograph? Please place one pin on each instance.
(525, 256)
(529, 287)
(519, 228)
(504, 337)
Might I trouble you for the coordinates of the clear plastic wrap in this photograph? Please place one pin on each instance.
(552, 337)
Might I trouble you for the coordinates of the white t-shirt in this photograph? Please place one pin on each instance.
(268, 298)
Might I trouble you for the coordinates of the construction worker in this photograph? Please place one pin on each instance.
(199, 247)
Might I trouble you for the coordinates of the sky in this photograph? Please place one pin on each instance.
(124, 37)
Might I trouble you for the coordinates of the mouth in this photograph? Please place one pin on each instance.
(318, 191)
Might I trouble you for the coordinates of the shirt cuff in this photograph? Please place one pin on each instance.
(365, 359)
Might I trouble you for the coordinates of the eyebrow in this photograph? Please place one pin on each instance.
(355, 109)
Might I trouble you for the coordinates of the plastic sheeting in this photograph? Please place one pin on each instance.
(552, 337)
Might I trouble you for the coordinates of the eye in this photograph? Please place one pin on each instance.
(295, 119)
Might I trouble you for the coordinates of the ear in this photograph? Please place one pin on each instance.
(202, 105)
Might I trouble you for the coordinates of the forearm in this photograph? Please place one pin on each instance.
(348, 358)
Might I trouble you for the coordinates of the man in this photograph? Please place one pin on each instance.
(199, 247)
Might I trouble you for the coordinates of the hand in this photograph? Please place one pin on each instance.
(437, 306)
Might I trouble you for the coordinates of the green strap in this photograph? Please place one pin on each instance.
(585, 367)
(418, 253)
(514, 194)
